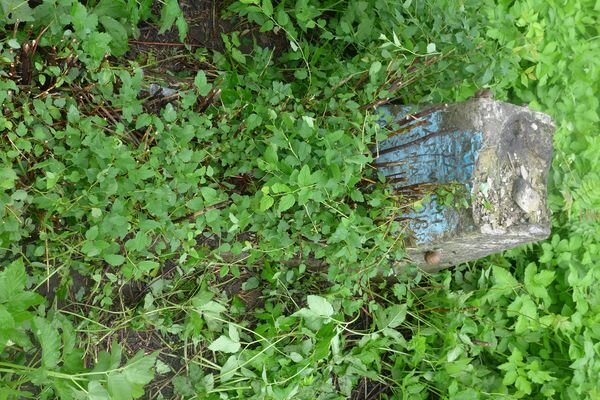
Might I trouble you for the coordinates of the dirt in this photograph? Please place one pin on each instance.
(207, 21)
(368, 389)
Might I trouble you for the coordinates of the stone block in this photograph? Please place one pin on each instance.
(499, 155)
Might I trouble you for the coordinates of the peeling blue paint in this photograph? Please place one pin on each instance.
(425, 152)
(432, 222)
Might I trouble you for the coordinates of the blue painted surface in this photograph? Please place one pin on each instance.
(432, 221)
(426, 152)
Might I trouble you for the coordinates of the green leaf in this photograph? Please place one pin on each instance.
(266, 202)
(168, 14)
(51, 179)
(8, 177)
(114, 259)
(118, 44)
(319, 306)
(119, 387)
(374, 69)
(280, 188)
(182, 27)
(454, 353)
(233, 333)
(286, 202)
(169, 113)
(14, 44)
(396, 315)
(97, 392)
(15, 10)
(325, 335)
(95, 47)
(12, 280)
(138, 369)
(210, 195)
(304, 176)
(505, 282)
(267, 7)
(225, 345)
(92, 233)
(228, 369)
(536, 283)
(271, 156)
(162, 368)
(111, 8)
(202, 84)
(523, 385)
(147, 266)
(49, 339)
(7, 325)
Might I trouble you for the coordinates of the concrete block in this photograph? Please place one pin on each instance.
(499, 155)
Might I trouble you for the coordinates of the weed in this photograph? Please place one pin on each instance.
(224, 234)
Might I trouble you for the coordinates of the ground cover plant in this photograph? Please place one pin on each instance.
(188, 208)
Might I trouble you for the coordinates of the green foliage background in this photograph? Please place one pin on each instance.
(96, 187)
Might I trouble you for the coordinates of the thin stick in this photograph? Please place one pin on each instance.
(166, 44)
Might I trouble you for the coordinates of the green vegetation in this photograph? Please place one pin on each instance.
(224, 241)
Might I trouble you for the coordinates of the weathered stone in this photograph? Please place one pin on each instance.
(499, 152)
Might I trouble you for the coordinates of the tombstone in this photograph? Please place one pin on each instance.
(497, 155)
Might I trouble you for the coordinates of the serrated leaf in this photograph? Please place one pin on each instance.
(15, 10)
(147, 266)
(182, 28)
(523, 385)
(119, 387)
(169, 113)
(8, 177)
(544, 277)
(304, 176)
(210, 195)
(396, 315)
(118, 44)
(454, 353)
(96, 46)
(374, 69)
(229, 368)
(96, 391)
(69, 337)
(7, 325)
(111, 8)
(266, 202)
(225, 345)
(138, 369)
(505, 282)
(201, 83)
(49, 339)
(114, 259)
(280, 188)
(168, 14)
(319, 306)
(162, 368)
(12, 280)
(233, 333)
(286, 202)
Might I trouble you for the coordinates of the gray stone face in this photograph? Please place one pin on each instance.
(500, 153)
